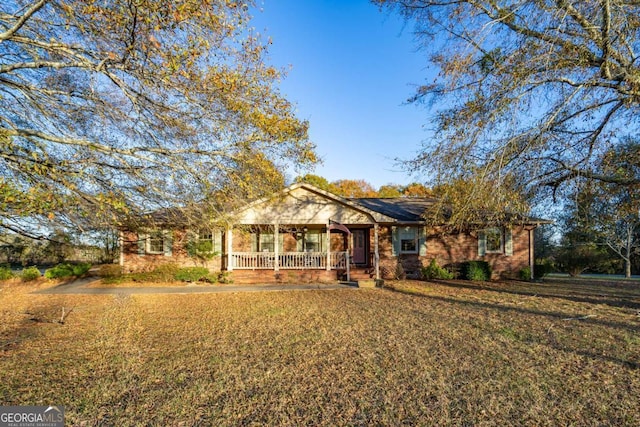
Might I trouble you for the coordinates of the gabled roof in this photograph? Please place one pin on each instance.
(373, 215)
(292, 188)
(397, 210)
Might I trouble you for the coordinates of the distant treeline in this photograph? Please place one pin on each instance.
(17, 250)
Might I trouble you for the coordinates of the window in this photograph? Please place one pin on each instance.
(265, 241)
(205, 236)
(408, 240)
(205, 244)
(155, 242)
(493, 240)
(311, 242)
(209, 241)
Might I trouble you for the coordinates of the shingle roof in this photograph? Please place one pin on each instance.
(412, 209)
(400, 208)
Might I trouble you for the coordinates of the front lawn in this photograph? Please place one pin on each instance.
(454, 353)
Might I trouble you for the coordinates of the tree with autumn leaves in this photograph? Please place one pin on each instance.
(531, 101)
(109, 109)
(360, 188)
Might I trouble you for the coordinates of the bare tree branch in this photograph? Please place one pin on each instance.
(109, 109)
(22, 20)
(529, 94)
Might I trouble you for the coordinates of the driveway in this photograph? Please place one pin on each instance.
(80, 287)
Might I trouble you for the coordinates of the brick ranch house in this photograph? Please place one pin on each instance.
(307, 234)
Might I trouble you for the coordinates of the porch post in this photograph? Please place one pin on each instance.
(349, 236)
(376, 252)
(276, 246)
(328, 246)
(230, 248)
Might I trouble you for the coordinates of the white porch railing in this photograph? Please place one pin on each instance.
(288, 260)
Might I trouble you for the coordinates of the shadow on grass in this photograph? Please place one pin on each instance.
(619, 295)
(551, 342)
(505, 308)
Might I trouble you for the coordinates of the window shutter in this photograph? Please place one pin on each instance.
(217, 242)
(167, 242)
(142, 243)
(508, 241)
(482, 243)
(254, 242)
(395, 241)
(191, 242)
(422, 241)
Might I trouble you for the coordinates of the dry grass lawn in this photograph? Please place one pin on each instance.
(420, 354)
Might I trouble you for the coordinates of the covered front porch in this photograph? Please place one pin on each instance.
(304, 229)
(329, 247)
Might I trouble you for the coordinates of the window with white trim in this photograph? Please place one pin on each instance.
(205, 236)
(408, 240)
(155, 242)
(210, 240)
(265, 242)
(205, 243)
(311, 241)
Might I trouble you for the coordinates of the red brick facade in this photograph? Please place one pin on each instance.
(451, 249)
(446, 249)
(135, 259)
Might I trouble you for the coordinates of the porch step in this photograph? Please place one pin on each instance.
(358, 273)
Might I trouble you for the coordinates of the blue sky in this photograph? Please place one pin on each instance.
(351, 69)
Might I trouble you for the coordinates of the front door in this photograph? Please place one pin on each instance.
(359, 246)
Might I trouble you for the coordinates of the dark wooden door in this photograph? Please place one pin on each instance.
(359, 246)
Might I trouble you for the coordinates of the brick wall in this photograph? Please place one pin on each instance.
(444, 248)
(338, 241)
(241, 241)
(134, 262)
(452, 249)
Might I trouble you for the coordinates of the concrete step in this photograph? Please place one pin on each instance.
(358, 274)
(368, 283)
